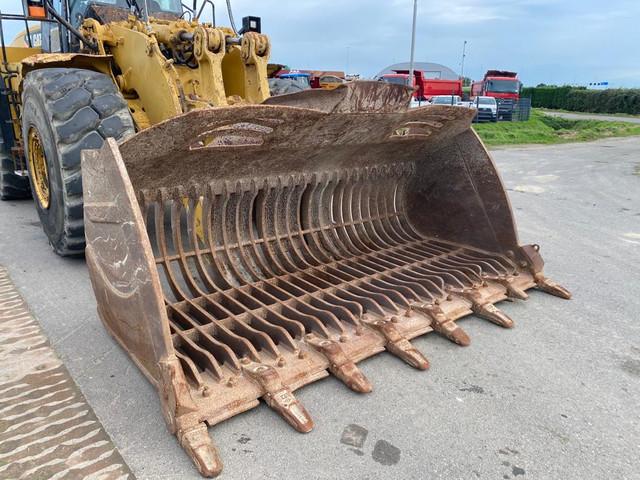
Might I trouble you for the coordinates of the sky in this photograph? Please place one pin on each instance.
(545, 41)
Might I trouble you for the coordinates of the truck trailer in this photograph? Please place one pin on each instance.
(424, 88)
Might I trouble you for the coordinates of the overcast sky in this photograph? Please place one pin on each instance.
(550, 41)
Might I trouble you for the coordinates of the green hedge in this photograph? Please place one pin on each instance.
(579, 99)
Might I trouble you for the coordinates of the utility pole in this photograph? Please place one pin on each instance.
(413, 41)
(347, 72)
(464, 54)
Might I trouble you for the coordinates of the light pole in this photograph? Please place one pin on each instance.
(413, 41)
(464, 54)
(347, 72)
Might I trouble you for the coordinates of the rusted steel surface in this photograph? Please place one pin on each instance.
(240, 253)
(368, 96)
(47, 429)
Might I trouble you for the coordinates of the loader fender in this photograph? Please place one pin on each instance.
(83, 61)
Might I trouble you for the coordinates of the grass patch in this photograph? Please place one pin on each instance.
(544, 129)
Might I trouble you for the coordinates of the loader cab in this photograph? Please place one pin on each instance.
(109, 10)
(54, 36)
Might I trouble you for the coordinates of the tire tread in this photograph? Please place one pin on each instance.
(81, 106)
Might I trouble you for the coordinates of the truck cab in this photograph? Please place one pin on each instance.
(502, 85)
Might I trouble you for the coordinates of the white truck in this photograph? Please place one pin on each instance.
(487, 108)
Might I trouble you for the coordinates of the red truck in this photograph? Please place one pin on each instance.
(425, 88)
(504, 86)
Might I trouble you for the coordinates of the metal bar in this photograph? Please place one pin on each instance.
(413, 40)
(69, 27)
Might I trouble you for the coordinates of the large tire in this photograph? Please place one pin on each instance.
(12, 185)
(69, 110)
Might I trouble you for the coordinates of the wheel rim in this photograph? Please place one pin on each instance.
(38, 168)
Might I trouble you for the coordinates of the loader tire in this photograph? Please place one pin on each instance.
(12, 185)
(65, 111)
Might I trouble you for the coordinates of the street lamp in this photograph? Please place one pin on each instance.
(413, 41)
(464, 54)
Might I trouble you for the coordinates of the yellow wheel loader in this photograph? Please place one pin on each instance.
(242, 246)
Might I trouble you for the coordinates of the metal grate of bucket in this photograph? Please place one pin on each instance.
(248, 271)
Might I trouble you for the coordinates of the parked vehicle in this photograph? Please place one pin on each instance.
(326, 79)
(487, 108)
(502, 85)
(304, 79)
(289, 82)
(425, 88)
(455, 100)
(328, 82)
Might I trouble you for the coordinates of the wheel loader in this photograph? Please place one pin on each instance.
(241, 246)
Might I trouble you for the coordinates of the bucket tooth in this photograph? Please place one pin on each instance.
(399, 346)
(490, 312)
(352, 377)
(513, 291)
(533, 259)
(279, 397)
(487, 310)
(290, 408)
(199, 446)
(453, 332)
(551, 287)
(444, 325)
(340, 365)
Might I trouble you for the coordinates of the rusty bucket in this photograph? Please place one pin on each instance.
(240, 253)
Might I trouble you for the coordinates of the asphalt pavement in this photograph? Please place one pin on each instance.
(555, 397)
